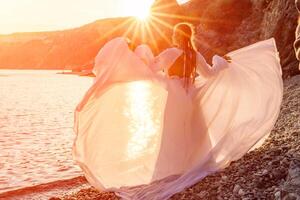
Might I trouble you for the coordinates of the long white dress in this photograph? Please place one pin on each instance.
(136, 126)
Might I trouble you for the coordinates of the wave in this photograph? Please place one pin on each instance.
(47, 190)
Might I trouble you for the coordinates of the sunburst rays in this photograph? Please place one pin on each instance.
(151, 35)
(176, 16)
(148, 31)
(123, 25)
(156, 30)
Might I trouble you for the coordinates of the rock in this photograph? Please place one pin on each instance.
(241, 192)
(292, 196)
(242, 171)
(294, 173)
(202, 194)
(267, 157)
(264, 172)
(277, 174)
(284, 162)
(224, 178)
(220, 198)
(236, 189)
(277, 195)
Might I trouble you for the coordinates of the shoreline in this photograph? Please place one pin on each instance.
(47, 190)
(87, 73)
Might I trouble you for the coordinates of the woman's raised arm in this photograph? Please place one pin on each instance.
(205, 70)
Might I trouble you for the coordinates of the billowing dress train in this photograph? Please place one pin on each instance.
(141, 134)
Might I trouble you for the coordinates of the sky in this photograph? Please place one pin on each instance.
(45, 15)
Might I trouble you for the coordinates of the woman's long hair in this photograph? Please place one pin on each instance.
(183, 37)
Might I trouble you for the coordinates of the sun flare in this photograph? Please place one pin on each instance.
(143, 15)
(139, 9)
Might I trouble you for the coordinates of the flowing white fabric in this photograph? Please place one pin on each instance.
(144, 52)
(141, 135)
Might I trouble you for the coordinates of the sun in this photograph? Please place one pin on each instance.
(140, 9)
(142, 15)
(182, 1)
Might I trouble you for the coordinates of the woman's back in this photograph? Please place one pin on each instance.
(184, 66)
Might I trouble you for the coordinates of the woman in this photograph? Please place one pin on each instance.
(140, 126)
(185, 65)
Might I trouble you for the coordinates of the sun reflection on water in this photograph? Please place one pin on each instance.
(145, 117)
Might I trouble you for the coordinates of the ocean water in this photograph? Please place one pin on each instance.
(36, 126)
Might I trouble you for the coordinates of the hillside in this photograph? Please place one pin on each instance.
(69, 49)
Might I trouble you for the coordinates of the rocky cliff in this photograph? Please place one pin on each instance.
(226, 25)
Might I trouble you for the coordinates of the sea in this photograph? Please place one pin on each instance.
(36, 126)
